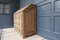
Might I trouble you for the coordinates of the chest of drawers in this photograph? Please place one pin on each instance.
(25, 20)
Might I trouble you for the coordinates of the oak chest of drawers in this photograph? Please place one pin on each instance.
(25, 20)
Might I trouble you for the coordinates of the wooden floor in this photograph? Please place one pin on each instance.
(10, 34)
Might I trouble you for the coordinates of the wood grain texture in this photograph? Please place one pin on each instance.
(25, 20)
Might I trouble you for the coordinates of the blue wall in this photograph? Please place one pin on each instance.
(25, 2)
(6, 20)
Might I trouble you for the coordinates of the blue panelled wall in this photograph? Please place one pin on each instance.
(48, 17)
(6, 20)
